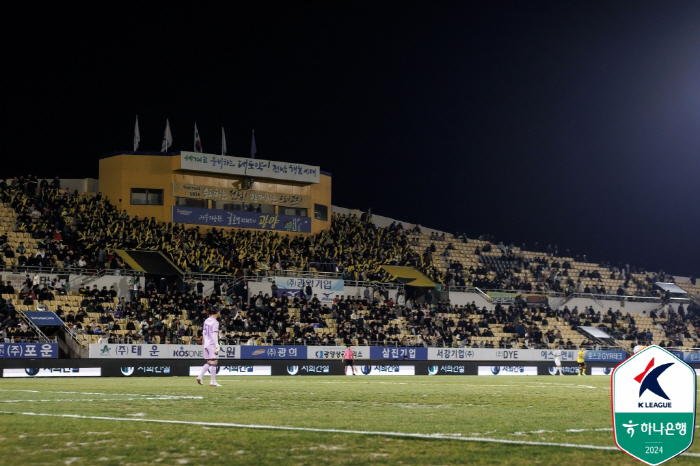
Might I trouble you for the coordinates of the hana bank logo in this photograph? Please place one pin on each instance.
(183, 212)
(649, 380)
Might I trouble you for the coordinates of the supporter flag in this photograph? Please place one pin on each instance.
(137, 135)
(197, 141)
(167, 138)
(253, 149)
(223, 141)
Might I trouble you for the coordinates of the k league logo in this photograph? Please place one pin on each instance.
(649, 380)
(653, 404)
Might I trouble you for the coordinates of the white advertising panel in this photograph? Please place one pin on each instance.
(386, 369)
(233, 370)
(116, 351)
(336, 352)
(507, 370)
(53, 372)
(491, 354)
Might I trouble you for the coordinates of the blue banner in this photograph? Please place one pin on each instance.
(28, 350)
(273, 352)
(691, 358)
(398, 353)
(605, 355)
(229, 218)
(43, 318)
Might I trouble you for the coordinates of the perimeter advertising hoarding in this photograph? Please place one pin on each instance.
(53, 372)
(491, 354)
(115, 351)
(29, 350)
(336, 352)
(182, 367)
(234, 370)
(398, 353)
(273, 352)
(386, 369)
(507, 370)
(389, 353)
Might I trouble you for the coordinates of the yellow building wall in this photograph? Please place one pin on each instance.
(120, 173)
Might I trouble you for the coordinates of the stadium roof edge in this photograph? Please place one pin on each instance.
(163, 154)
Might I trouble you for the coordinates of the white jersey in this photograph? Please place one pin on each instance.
(557, 357)
(210, 332)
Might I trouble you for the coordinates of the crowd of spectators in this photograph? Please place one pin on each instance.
(74, 230)
(12, 328)
(543, 273)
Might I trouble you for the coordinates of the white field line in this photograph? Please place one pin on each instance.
(331, 431)
(148, 397)
(85, 400)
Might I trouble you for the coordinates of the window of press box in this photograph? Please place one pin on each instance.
(188, 202)
(293, 211)
(244, 207)
(320, 212)
(145, 196)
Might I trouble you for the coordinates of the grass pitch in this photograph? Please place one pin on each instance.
(559, 410)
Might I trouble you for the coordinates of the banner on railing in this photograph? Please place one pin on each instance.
(29, 350)
(323, 289)
(43, 318)
(531, 300)
(143, 351)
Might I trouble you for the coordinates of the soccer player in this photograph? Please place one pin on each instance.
(557, 360)
(581, 362)
(210, 332)
(348, 359)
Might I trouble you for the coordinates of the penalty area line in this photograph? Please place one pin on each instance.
(331, 431)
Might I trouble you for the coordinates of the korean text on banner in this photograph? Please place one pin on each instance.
(324, 290)
(244, 166)
(28, 350)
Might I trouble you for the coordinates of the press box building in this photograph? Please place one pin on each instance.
(218, 191)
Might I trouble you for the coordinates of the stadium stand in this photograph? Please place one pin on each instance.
(46, 227)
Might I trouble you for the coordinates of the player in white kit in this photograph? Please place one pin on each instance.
(210, 334)
(557, 361)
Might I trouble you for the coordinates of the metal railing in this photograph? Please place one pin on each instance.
(356, 283)
(40, 335)
(296, 274)
(88, 272)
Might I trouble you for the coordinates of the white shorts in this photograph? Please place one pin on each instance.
(557, 361)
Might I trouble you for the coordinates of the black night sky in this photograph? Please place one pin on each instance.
(571, 123)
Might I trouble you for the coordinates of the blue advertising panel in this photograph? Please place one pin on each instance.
(273, 352)
(43, 318)
(605, 355)
(228, 218)
(691, 358)
(28, 350)
(398, 353)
